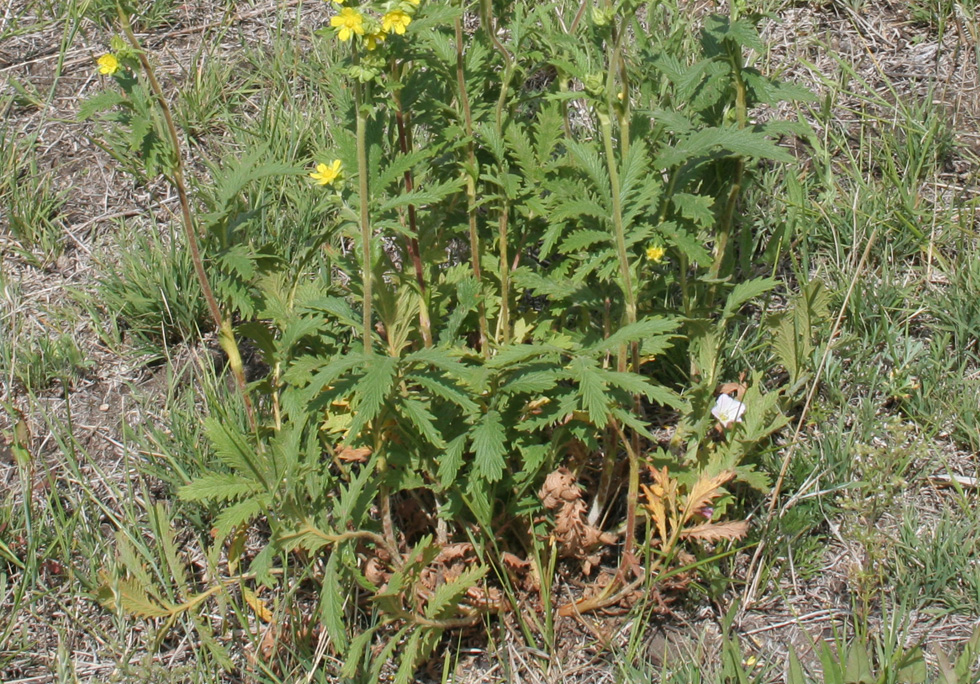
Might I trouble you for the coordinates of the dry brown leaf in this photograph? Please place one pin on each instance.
(257, 604)
(270, 643)
(375, 573)
(514, 562)
(738, 388)
(352, 455)
(575, 537)
(455, 552)
(717, 531)
(655, 504)
(704, 490)
(559, 487)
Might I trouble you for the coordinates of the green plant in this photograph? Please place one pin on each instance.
(148, 284)
(886, 660)
(506, 271)
(32, 206)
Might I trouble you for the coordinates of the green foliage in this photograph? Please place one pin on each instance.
(148, 284)
(507, 271)
(32, 206)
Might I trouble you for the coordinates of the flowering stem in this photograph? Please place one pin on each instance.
(503, 323)
(489, 25)
(503, 326)
(471, 175)
(226, 335)
(367, 273)
(412, 243)
(725, 224)
(633, 448)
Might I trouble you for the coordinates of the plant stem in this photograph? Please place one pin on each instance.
(226, 335)
(489, 25)
(725, 225)
(503, 326)
(412, 243)
(471, 175)
(630, 295)
(367, 272)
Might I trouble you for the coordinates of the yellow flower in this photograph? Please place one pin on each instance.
(348, 22)
(373, 40)
(414, 2)
(656, 253)
(327, 175)
(395, 21)
(108, 64)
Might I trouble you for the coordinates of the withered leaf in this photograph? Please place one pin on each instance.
(655, 504)
(704, 490)
(717, 531)
(354, 455)
(559, 487)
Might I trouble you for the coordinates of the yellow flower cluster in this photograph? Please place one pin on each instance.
(395, 21)
(350, 22)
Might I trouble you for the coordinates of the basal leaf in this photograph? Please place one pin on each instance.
(489, 447)
(372, 391)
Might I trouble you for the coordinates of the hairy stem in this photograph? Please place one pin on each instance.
(503, 326)
(471, 173)
(629, 294)
(226, 335)
(412, 242)
(367, 272)
(727, 218)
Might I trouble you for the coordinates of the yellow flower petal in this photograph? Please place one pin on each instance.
(348, 22)
(656, 253)
(108, 64)
(327, 175)
(395, 21)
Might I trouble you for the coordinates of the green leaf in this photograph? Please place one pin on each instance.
(332, 600)
(912, 667)
(746, 291)
(794, 673)
(218, 487)
(858, 667)
(591, 389)
(489, 447)
(359, 646)
(99, 103)
(696, 208)
(236, 452)
(410, 655)
(443, 602)
(646, 328)
(637, 384)
(444, 388)
(530, 381)
(451, 461)
(590, 162)
(238, 514)
(430, 195)
(690, 245)
(422, 419)
(372, 391)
